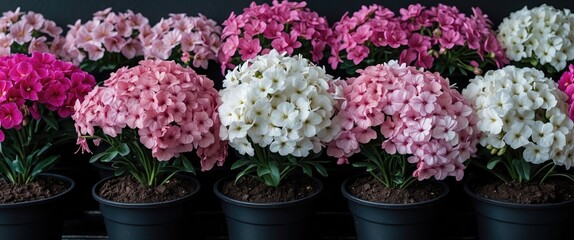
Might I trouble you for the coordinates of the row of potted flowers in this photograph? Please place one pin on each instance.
(438, 38)
(279, 112)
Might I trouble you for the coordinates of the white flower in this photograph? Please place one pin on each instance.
(237, 129)
(536, 154)
(543, 134)
(502, 103)
(280, 102)
(518, 136)
(489, 121)
(543, 34)
(302, 148)
(282, 145)
(242, 146)
(285, 115)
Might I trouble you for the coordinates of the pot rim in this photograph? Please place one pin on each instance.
(477, 197)
(349, 196)
(109, 202)
(71, 185)
(299, 201)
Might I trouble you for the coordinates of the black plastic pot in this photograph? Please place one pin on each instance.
(374, 221)
(498, 220)
(147, 221)
(33, 220)
(264, 221)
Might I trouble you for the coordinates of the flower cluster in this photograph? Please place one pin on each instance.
(286, 27)
(566, 85)
(413, 116)
(171, 108)
(522, 117)
(32, 90)
(541, 37)
(280, 103)
(187, 40)
(438, 38)
(26, 32)
(105, 43)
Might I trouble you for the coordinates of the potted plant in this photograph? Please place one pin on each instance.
(149, 115)
(539, 38)
(439, 39)
(27, 32)
(36, 93)
(284, 26)
(526, 135)
(276, 111)
(105, 43)
(409, 126)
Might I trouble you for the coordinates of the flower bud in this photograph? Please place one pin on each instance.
(493, 151)
(502, 151)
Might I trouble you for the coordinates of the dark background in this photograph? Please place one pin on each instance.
(68, 11)
(332, 219)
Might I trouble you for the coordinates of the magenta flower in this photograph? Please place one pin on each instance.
(10, 116)
(566, 85)
(284, 26)
(437, 38)
(411, 116)
(35, 91)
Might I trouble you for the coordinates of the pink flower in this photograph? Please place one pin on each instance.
(21, 32)
(249, 48)
(420, 119)
(424, 103)
(170, 108)
(358, 53)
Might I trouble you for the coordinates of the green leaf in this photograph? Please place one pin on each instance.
(123, 149)
(17, 165)
(188, 167)
(108, 157)
(274, 172)
(320, 169)
(522, 167)
(52, 123)
(263, 170)
(240, 163)
(97, 157)
(492, 163)
(307, 169)
(44, 164)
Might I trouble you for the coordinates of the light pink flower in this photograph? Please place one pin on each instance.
(417, 115)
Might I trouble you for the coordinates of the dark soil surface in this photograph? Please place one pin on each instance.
(370, 189)
(42, 187)
(552, 191)
(126, 189)
(249, 189)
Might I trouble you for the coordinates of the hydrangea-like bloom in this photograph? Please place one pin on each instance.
(171, 108)
(284, 26)
(411, 113)
(280, 102)
(27, 32)
(521, 111)
(539, 37)
(192, 41)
